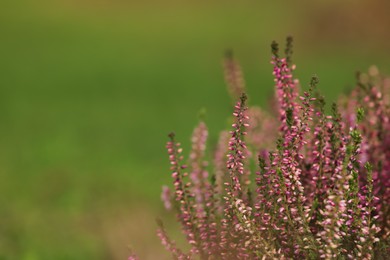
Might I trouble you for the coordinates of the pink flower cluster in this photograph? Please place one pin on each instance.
(322, 189)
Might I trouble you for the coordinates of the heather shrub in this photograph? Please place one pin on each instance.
(321, 188)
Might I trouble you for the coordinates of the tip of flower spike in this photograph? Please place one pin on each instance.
(132, 255)
(171, 135)
(243, 98)
(289, 40)
(159, 223)
(229, 54)
(202, 114)
(314, 81)
(275, 48)
(289, 49)
(360, 114)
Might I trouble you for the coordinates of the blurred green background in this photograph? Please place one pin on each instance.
(90, 89)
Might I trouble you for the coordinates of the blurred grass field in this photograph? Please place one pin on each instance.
(90, 89)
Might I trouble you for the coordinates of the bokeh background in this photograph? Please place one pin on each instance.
(89, 90)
